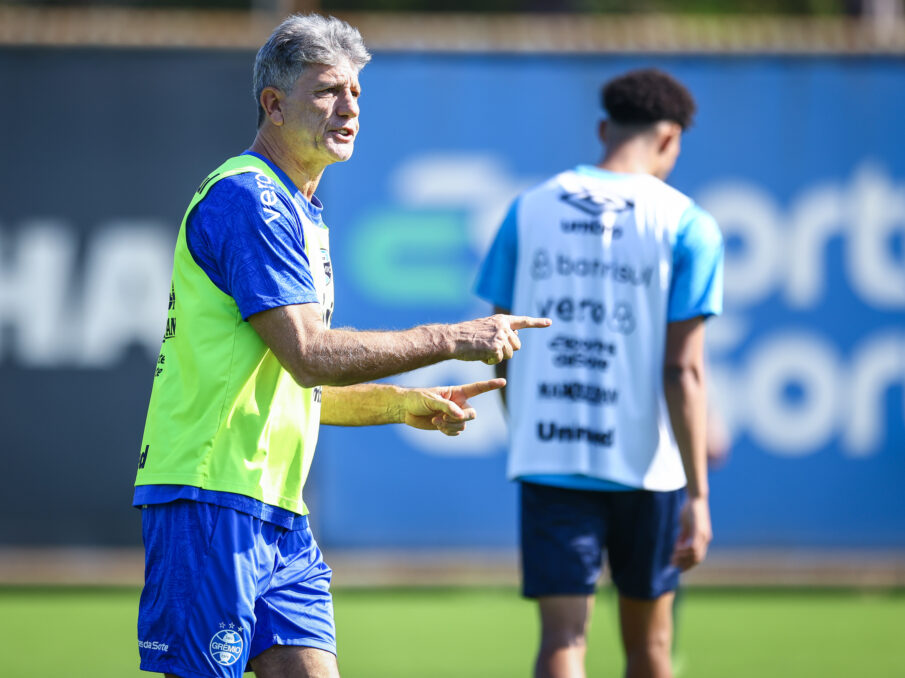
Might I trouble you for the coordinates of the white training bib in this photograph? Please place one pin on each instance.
(586, 396)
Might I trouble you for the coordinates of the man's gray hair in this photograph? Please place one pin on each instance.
(300, 41)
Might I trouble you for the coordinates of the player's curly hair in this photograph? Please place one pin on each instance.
(646, 96)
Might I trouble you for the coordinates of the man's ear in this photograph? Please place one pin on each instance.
(669, 133)
(272, 101)
(602, 130)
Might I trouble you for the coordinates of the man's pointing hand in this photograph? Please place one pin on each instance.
(493, 339)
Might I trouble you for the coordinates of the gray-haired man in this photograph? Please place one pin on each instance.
(248, 370)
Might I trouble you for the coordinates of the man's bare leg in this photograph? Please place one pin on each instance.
(647, 636)
(287, 661)
(564, 627)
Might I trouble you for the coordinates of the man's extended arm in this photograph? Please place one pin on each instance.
(686, 398)
(444, 408)
(315, 355)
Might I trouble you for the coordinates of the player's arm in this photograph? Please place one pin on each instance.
(443, 408)
(686, 397)
(315, 355)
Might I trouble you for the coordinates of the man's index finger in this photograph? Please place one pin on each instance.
(479, 387)
(520, 322)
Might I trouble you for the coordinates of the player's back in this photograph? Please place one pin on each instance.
(596, 252)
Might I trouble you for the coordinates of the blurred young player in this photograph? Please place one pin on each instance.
(249, 369)
(608, 412)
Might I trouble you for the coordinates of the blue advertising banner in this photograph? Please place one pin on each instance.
(799, 159)
(800, 162)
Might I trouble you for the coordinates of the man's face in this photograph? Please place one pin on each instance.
(320, 114)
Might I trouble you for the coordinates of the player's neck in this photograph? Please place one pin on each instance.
(630, 157)
(305, 179)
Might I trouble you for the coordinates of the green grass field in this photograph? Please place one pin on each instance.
(490, 633)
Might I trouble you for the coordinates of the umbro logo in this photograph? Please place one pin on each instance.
(596, 203)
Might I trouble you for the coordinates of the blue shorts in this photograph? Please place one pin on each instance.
(565, 533)
(222, 586)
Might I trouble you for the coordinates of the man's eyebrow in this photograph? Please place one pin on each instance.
(337, 82)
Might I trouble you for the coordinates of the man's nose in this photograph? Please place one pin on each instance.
(347, 106)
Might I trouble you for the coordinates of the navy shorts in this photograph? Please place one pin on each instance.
(566, 532)
(222, 586)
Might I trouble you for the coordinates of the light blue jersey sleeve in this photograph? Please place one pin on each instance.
(696, 288)
(496, 279)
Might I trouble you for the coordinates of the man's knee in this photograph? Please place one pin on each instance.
(652, 646)
(556, 639)
(647, 635)
(284, 661)
(652, 659)
(564, 622)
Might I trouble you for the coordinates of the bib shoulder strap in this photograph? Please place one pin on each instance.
(239, 164)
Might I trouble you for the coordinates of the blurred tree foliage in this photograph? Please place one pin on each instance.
(714, 7)
(793, 7)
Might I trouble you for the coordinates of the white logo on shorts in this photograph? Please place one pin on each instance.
(153, 645)
(226, 647)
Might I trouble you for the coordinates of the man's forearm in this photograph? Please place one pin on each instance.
(686, 398)
(362, 405)
(316, 356)
(340, 357)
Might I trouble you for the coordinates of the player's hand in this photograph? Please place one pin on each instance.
(444, 408)
(695, 534)
(493, 339)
